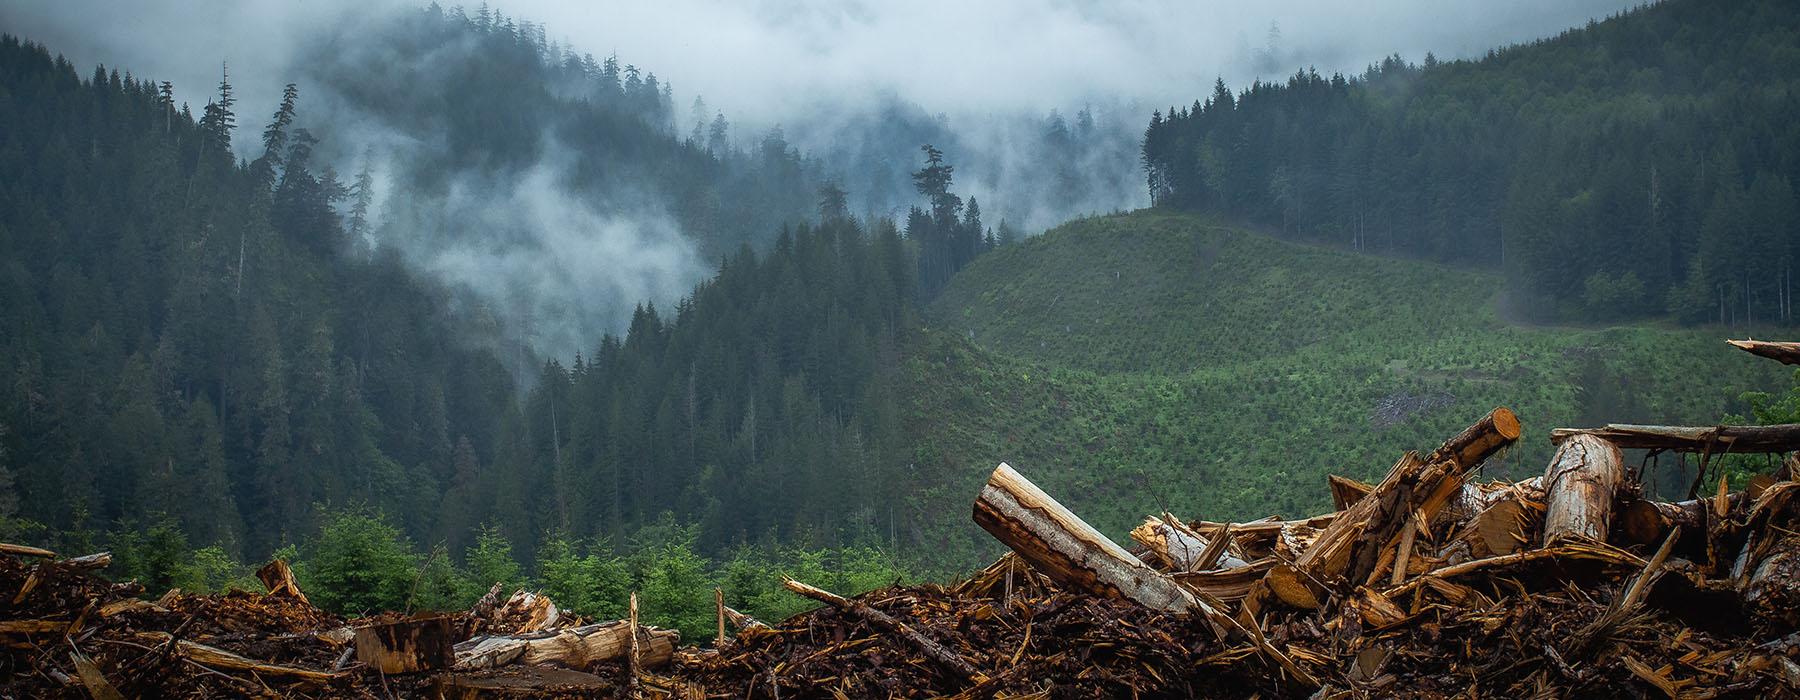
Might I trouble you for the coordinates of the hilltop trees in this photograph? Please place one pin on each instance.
(1626, 169)
(946, 238)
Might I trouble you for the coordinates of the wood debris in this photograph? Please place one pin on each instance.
(1424, 584)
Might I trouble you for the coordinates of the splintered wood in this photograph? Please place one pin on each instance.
(1426, 585)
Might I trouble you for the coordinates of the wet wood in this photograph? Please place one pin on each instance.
(25, 551)
(1580, 486)
(1785, 353)
(407, 646)
(1064, 547)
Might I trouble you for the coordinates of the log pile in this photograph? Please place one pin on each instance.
(1425, 584)
(68, 633)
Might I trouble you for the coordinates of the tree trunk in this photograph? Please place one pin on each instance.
(1495, 430)
(1718, 439)
(1060, 545)
(1580, 485)
(1785, 353)
(574, 647)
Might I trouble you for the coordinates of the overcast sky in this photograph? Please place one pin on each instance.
(759, 60)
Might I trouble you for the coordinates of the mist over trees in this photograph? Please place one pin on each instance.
(190, 339)
(1641, 166)
(201, 350)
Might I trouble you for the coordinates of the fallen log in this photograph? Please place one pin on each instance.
(1718, 439)
(25, 551)
(1640, 521)
(89, 562)
(219, 658)
(406, 646)
(279, 579)
(1785, 353)
(1580, 485)
(574, 647)
(1064, 547)
(1480, 441)
(932, 650)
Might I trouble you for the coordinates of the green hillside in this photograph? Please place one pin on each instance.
(1133, 360)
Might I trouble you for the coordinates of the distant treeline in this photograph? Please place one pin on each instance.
(1644, 165)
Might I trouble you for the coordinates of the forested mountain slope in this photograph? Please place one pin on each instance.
(1168, 359)
(1640, 166)
(187, 336)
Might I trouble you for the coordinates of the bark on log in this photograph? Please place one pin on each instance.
(1774, 588)
(578, 647)
(25, 551)
(406, 646)
(1580, 485)
(90, 562)
(945, 658)
(1717, 439)
(1494, 431)
(279, 579)
(1060, 545)
(1785, 353)
(1645, 522)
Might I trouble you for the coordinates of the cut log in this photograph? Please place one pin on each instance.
(25, 551)
(1718, 439)
(406, 646)
(1329, 555)
(1639, 521)
(581, 647)
(1502, 527)
(1060, 545)
(1785, 353)
(1469, 448)
(944, 658)
(89, 562)
(279, 579)
(1580, 485)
